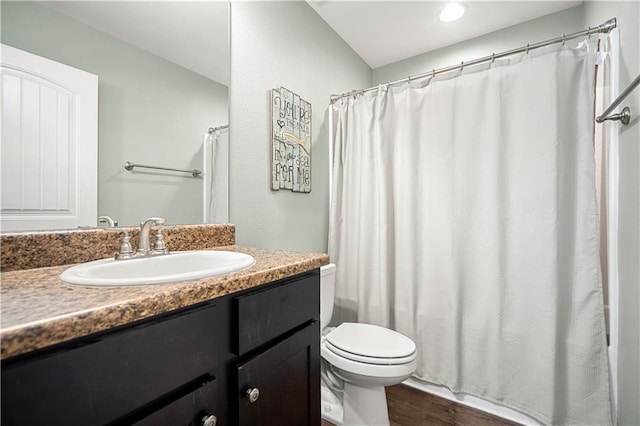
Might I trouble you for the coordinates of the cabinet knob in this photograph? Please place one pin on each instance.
(253, 394)
(209, 420)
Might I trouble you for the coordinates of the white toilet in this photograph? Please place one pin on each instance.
(359, 361)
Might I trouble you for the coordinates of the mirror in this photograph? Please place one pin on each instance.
(163, 72)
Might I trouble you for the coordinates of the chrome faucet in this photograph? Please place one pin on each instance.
(108, 221)
(144, 247)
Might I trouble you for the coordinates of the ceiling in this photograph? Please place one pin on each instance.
(383, 32)
(195, 34)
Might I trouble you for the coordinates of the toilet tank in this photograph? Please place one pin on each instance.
(327, 293)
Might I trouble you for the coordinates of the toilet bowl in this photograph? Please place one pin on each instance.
(365, 358)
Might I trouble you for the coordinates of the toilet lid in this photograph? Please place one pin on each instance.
(364, 341)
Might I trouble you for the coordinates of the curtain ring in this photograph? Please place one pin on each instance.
(527, 50)
(461, 65)
(493, 57)
(433, 73)
(563, 39)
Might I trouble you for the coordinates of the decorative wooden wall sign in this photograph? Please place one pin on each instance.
(290, 141)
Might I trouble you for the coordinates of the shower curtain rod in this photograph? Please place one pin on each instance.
(215, 129)
(603, 28)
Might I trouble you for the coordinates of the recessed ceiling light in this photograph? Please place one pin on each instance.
(452, 12)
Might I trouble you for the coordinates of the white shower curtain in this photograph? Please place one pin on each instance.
(215, 180)
(463, 214)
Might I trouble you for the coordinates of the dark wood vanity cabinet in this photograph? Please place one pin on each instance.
(248, 358)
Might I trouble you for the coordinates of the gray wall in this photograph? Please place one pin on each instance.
(285, 44)
(628, 15)
(151, 111)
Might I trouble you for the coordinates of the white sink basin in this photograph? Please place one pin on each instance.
(178, 266)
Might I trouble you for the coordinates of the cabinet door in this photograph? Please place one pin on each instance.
(286, 381)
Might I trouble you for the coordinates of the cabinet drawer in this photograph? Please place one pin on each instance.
(102, 378)
(186, 411)
(267, 314)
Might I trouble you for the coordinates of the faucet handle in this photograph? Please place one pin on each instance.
(160, 247)
(126, 250)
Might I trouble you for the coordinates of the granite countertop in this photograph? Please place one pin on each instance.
(39, 310)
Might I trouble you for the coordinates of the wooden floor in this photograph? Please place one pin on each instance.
(411, 407)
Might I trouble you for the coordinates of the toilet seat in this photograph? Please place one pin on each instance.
(366, 369)
(369, 359)
(371, 344)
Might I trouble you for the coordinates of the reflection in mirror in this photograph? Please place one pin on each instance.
(163, 71)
